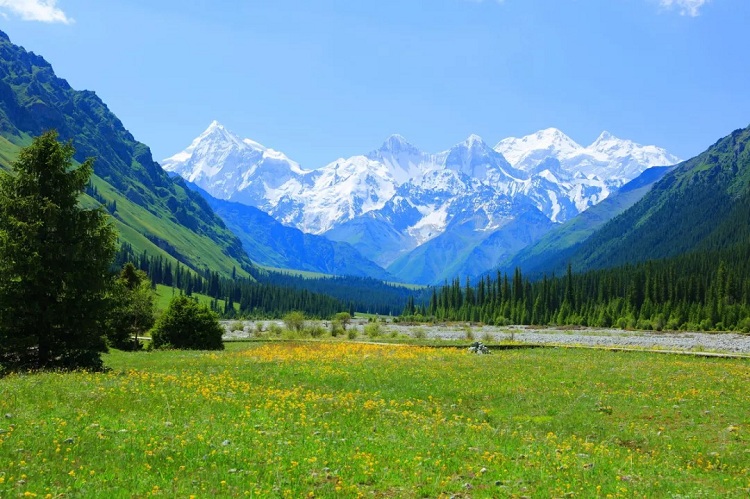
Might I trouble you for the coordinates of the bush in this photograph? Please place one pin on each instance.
(343, 318)
(275, 329)
(351, 333)
(236, 326)
(337, 328)
(295, 321)
(187, 325)
(316, 331)
(373, 330)
(469, 334)
(131, 311)
(420, 333)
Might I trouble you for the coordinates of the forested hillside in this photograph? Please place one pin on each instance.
(553, 251)
(701, 205)
(152, 211)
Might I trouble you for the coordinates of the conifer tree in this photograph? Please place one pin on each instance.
(54, 261)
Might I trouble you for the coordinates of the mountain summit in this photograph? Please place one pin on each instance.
(612, 160)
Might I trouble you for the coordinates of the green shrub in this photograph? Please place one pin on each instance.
(337, 328)
(468, 333)
(420, 333)
(274, 329)
(373, 330)
(352, 333)
(343, 318)
(744, 325)
(295, 321)
(236, 326)
(188, 325)
(316, 331)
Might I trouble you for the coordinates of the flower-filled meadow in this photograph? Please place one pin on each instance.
(347, 419)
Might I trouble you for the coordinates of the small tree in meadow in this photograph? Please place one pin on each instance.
(295, 321)
(132, 310)
(188, 325)
(344, 318)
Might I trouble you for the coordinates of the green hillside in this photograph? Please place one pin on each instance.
(704, 204)
(153, 212)
(552, 252)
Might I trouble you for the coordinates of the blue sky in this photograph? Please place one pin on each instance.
(319, 79)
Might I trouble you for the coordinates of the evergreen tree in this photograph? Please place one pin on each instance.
(54, 262)
(187, 325)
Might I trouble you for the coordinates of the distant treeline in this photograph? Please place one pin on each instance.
(255, 299)
(362, 294)
(706, 291)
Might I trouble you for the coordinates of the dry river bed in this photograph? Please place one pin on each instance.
(595, 337)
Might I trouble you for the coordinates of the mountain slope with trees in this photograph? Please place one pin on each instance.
(153, 212)
(701, 205)
(552, 252)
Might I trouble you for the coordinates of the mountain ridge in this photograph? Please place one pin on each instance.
(702, 204)
(153, 212)
(403, 197)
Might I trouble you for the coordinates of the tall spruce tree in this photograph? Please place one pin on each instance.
(55, 258)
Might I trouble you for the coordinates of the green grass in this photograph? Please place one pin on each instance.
(304, 274)
(347, 419)
(164, 295)
(132, 221)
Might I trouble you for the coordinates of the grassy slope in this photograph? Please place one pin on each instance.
(132, 221)
(552, 252)
(339, 420)
(700, 205)
(34, 99)
(164, 295)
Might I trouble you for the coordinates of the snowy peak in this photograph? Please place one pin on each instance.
(403, 160)
(221, 162)
(526, 152)
(609, 158)
(474, 141)
(396, 144)
(603, 137)
(217, 133)
(606, 142)
(474, 158)
(626, 158)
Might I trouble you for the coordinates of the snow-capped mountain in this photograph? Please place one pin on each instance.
(219, 158)
(393, 200)
(612, 160)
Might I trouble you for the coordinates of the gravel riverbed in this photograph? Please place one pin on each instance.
(682, 341)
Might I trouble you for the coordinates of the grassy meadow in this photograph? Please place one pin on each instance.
(347, 419)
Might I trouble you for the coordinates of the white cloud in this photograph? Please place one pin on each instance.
(686, 7)
(45, 11)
